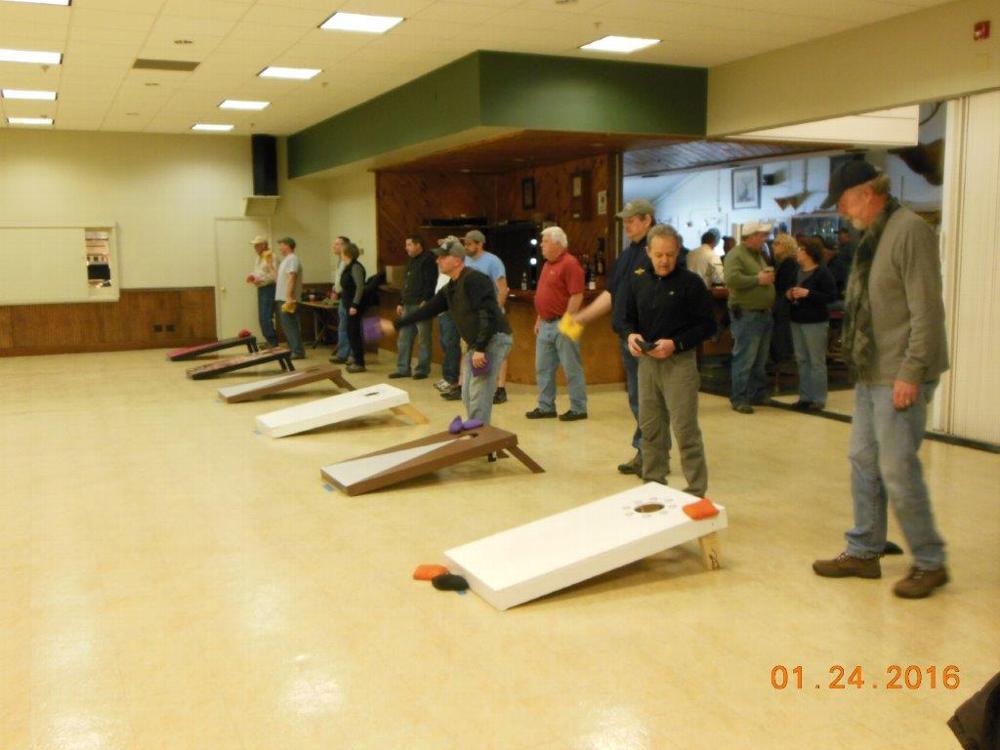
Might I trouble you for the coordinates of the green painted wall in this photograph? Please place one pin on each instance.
(509, 90)
(568, 93)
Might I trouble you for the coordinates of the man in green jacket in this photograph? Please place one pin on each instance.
(750, 281)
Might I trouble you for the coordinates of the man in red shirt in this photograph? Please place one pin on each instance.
(560, 290)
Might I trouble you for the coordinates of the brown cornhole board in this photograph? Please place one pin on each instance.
(374, 471)
(260, 388)
(281, 354)
(190, 352)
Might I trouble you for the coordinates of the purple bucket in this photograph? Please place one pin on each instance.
(480, 371)
(371, 329)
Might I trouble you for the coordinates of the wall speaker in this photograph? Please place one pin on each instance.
(264, 149)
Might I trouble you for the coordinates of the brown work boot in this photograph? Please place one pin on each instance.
(845, 566)
(920, 583)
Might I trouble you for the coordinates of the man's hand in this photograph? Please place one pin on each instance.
(766, 277)
(478, 359)
(352, 311)
(663, 349)
(904, 395)
(538, 324)
(633, 344)
(399, 311)
(251, 279)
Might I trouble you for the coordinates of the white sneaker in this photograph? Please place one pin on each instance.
(443, 385)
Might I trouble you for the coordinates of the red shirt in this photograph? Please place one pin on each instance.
(559, 280)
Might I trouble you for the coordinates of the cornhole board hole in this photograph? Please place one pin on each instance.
(340, 408)
(281, 354)
(390, 466)
(526, 562)
(260, 388)
(190, 352)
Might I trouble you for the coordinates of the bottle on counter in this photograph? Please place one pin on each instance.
(599, 258)
(524, 280)
(588, 273)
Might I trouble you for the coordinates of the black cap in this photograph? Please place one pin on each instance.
(848, 175)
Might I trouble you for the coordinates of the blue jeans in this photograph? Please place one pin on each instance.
(477, 392)
(751, 344)
(452, 349)
(265, 313)
(343, 342)
(885, 468)
(553, 349)
(809, 340)
(293, 334)
(405, 345)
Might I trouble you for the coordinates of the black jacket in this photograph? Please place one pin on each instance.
(676, 306)
(420, 279)
(822, 291)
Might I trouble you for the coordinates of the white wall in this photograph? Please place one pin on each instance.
(164, 192)
(352, 213)
(302, 214)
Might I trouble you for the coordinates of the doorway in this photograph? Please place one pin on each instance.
(235, 300)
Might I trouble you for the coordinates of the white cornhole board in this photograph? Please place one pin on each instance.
(326, 411)
(526, 562)
(239, 390)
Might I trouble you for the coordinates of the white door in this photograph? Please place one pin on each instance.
(235, 300)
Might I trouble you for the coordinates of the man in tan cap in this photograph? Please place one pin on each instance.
(750, 281)
(263, 277)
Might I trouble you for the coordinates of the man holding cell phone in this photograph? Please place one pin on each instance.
(668, 312)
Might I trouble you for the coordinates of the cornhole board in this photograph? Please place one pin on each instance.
(340, 408)
(280, 354)
(526, 562)
(390, 466)
(260, 388)
(190, 352)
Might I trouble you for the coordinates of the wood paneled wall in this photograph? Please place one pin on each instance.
(405, 201)
(184, 316)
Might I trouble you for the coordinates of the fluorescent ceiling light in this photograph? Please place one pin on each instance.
(623, 44)
(211, 127)
(29, 120)
(360, 22)
(240, 104)
(30, 56)
(299, 74)
(46, 96)
(42, 2)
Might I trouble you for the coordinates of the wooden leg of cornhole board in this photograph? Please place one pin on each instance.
(286, 363)
(710, 550)
(252, 346)
(408, 410)
(525, 459)
(340, 380)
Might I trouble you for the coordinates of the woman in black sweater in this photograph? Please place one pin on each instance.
(352, 285)
(814, 289)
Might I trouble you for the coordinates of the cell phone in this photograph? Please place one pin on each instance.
(646, 345)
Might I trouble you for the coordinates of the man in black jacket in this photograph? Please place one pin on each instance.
(486, 336)
(418, 287)
(667, 313)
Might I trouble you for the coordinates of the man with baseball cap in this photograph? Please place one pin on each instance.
(750, 281)
(638, 217)
(478, 259)
(263, 277)
(470, 298)
(895, 345)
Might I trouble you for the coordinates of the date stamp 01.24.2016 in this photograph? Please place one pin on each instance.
(848, 676)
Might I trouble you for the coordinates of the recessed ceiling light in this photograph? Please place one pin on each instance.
(624, 44)
(300, 74)
(47, 96)
(182, 42)
(30, 56)
(211, 127)
(42, 2)
(241, 104)
(151, 84)
(360, 22)
(131, 114)
(29, 120)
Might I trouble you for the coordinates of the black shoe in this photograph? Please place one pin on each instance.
(338, 360)
(394, 375)
(815, 407)
(537, 413)
(455, 394)
(743, 408)
(632, 467)
(420, 376)
(572, 416)
(802, 405)
(357, 368)
(500, 397)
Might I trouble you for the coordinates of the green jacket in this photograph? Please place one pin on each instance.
(741, 268)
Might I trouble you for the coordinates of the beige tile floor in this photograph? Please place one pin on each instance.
(169, 579)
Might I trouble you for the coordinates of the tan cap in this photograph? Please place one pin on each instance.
(753, 227)
(258, 240)
(641, 207)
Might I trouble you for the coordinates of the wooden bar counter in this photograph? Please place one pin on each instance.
(599, 345)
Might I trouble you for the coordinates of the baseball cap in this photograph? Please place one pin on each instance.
(752, 227)
(848, 175)
(258, 240)
(640, 207)
(450, 246)
(474, 235)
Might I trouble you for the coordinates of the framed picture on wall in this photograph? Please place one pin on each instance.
(528, 193)
(746, 187)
